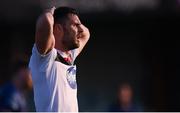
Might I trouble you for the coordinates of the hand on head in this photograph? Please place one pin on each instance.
(85, 31)
(51, 10)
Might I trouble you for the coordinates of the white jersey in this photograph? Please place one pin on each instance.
(54, 83)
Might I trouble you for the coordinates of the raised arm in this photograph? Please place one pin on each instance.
(85, 35)
(44, 37)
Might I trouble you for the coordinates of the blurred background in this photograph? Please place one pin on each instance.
(134, 43)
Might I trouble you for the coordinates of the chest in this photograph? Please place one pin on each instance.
(66, 74)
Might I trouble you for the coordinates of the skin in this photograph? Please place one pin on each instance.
(66, 37)
(125, 96)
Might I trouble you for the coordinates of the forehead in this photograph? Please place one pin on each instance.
(74, 18)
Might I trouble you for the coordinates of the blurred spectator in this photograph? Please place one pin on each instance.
(16, 95)
(125, 101)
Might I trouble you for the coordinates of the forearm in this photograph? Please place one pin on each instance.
(85, 35)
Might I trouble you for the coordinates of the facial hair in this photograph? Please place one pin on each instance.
(71, 41)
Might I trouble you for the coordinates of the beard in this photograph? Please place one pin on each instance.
(71, 42)
(74, 45)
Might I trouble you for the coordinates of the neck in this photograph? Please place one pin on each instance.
(62, 48)
(63, 52)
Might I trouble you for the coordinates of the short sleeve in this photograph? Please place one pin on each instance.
(43, 62)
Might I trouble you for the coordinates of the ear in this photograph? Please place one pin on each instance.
(58, 29)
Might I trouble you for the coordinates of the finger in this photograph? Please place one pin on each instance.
(52, 9)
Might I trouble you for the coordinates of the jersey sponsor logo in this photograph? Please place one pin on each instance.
(71, 77)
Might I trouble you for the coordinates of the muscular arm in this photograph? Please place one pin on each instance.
(44, 37)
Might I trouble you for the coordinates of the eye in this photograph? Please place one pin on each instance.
(77, 24)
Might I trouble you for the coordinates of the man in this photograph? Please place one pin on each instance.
(60, 37)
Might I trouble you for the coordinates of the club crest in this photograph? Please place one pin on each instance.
(71, 77)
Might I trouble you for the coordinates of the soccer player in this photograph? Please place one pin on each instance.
(60, 37)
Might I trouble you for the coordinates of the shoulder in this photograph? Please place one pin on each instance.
(36, 53)
(41, 61)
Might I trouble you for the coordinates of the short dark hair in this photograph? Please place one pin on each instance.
(61, 14)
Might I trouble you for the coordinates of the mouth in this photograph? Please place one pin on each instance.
(77, 40)
(79, 36)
